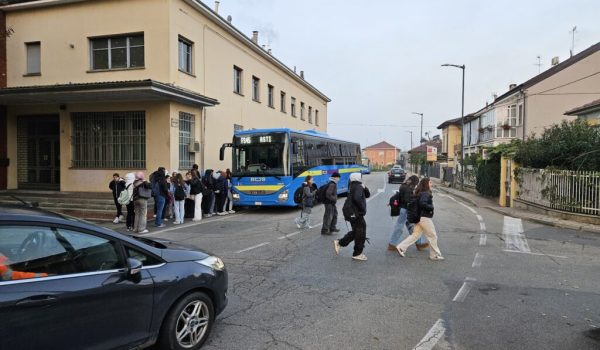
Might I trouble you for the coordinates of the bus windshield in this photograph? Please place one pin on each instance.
(260, 156)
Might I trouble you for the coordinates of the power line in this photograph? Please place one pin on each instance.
(381, 125)
(566, 84)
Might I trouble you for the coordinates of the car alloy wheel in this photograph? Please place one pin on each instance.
(192, 324)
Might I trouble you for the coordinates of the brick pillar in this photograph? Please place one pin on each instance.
(3, 117)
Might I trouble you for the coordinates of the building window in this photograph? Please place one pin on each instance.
(293, 107)
(316, 117)
(310, 114)
(185, 55)
(186, 137)
(237, 80)
(302, 111)
(270, 96)
(34, 65)
(109, 140)
(118, 52)
(283, 102)
(255, 89)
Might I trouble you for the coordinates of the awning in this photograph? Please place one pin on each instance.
(118, 91)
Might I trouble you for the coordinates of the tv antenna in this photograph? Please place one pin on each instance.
(539, 63)
(572, 31)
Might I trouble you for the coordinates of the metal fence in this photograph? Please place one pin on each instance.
(572, 191)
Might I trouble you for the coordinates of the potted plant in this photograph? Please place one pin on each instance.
(481, 130)
(506, 127)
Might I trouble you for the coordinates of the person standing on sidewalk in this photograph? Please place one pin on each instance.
(129, 179)
(196, 190)
(405, 193)
(330, 200)
(161, 192)
(308, 199)
(424, 224)
(354, 211)
(116, 186)
(140, 202)
(229, 200)
(180, 191)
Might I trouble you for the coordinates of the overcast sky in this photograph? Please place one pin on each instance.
(379, 61)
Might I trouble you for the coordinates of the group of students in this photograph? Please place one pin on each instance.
(413, 204)
(176, 196)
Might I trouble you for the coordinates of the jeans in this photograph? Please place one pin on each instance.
(179, 209)
(400, 227)
(229, 201)
(119, 207)
(141, 213)
(425, 226)
(330, 217)
(358, 234)
(213, 199)
(304, 220)
(160, 207)
(220, 201)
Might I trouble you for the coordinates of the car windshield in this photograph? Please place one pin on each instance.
(268, 159)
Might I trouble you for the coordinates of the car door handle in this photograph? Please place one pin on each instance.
(38, 300)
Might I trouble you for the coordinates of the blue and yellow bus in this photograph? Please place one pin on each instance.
(268, 165)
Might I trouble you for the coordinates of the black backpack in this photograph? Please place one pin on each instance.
(348, 208)
(298, 194)
(179, 193)
(320, 196)
(413, 211)
(395, 204)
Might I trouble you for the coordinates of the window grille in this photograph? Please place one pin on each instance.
(186, 136)
(109, 140)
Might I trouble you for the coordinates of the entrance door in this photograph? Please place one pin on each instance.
(39, 152)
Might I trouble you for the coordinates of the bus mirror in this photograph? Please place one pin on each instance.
(222, 153)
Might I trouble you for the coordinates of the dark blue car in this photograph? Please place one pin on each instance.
(69, 284)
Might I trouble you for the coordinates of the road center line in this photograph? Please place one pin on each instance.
(482, 239)
(482, 226)
(468, 207)
(436, 332)
(512, 230)
(253, 247)
(477, 261)
(479, 218)
(540, 254)
(297, 232)
(464, 290)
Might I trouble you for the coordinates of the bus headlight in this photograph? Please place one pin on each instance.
(235, 196)
(283, 196)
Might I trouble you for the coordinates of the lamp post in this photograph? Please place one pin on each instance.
(411, 143)
(462, 123)
(421, 114)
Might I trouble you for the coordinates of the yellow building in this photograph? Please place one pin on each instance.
(95, 87)
(451, 134)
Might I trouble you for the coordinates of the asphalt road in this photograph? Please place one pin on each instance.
(505, 284)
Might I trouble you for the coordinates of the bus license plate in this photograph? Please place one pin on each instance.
(257, 203)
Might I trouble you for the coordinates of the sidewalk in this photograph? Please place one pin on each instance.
(483, 202)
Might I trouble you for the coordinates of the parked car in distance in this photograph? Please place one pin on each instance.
(396, 175)
(69, 284)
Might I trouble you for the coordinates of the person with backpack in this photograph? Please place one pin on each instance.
(307, 203)
(160, 170)
(160, 190)
(403, 197)
(116, 186)
(142, 191)
(327, 194)
(229, 200)
(126, 199)
(420, 212)
(196, 192)
(180, 191)
(208, 195)
(354, 210)
(220, 193)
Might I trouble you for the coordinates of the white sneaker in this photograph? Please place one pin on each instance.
(336, 246)
(400, 252)
(116, 220)
(437, 258)
(221, 214)
(297, 222)
(154, 215)
(361, 257)
(232, 211)
(145, 231)
(121, 218)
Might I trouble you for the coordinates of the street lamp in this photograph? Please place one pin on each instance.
(411, 143)
(421, 114)
(462, 123)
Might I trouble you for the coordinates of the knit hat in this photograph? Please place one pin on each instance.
(336, 174)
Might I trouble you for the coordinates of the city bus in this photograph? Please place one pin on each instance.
(268, 165)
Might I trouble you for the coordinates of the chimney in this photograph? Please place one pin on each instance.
(512, 86)
(255, 36)
(269, 51)
(302, 74)
(216, 6)
(555, 61)
(495, 96)
(294, 69)
(229, 19)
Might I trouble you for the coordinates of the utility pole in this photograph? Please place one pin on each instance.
(421, 114)
(539, 64)
(573, 40)
(462, 123)
(411, 143)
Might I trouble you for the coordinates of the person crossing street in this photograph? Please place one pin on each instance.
(355, 209)
(329, 201)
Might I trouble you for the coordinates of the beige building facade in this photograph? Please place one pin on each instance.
(97, 87)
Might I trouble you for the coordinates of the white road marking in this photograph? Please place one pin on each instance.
(468, 207)
(512, 230)
(253, 247)
(464, 290)
(434, 335)
(482, 226)
(482, 239)
(539, 254)
(479, 218)
(297, 232)
(379, 191)
(193, 223)
(477, 261)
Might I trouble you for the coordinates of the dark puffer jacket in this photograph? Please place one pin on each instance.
(426, 204)
(359, 197)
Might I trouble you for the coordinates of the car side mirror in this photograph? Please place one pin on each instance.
(134, 267)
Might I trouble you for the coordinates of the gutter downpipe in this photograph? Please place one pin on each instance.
(524, 112)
